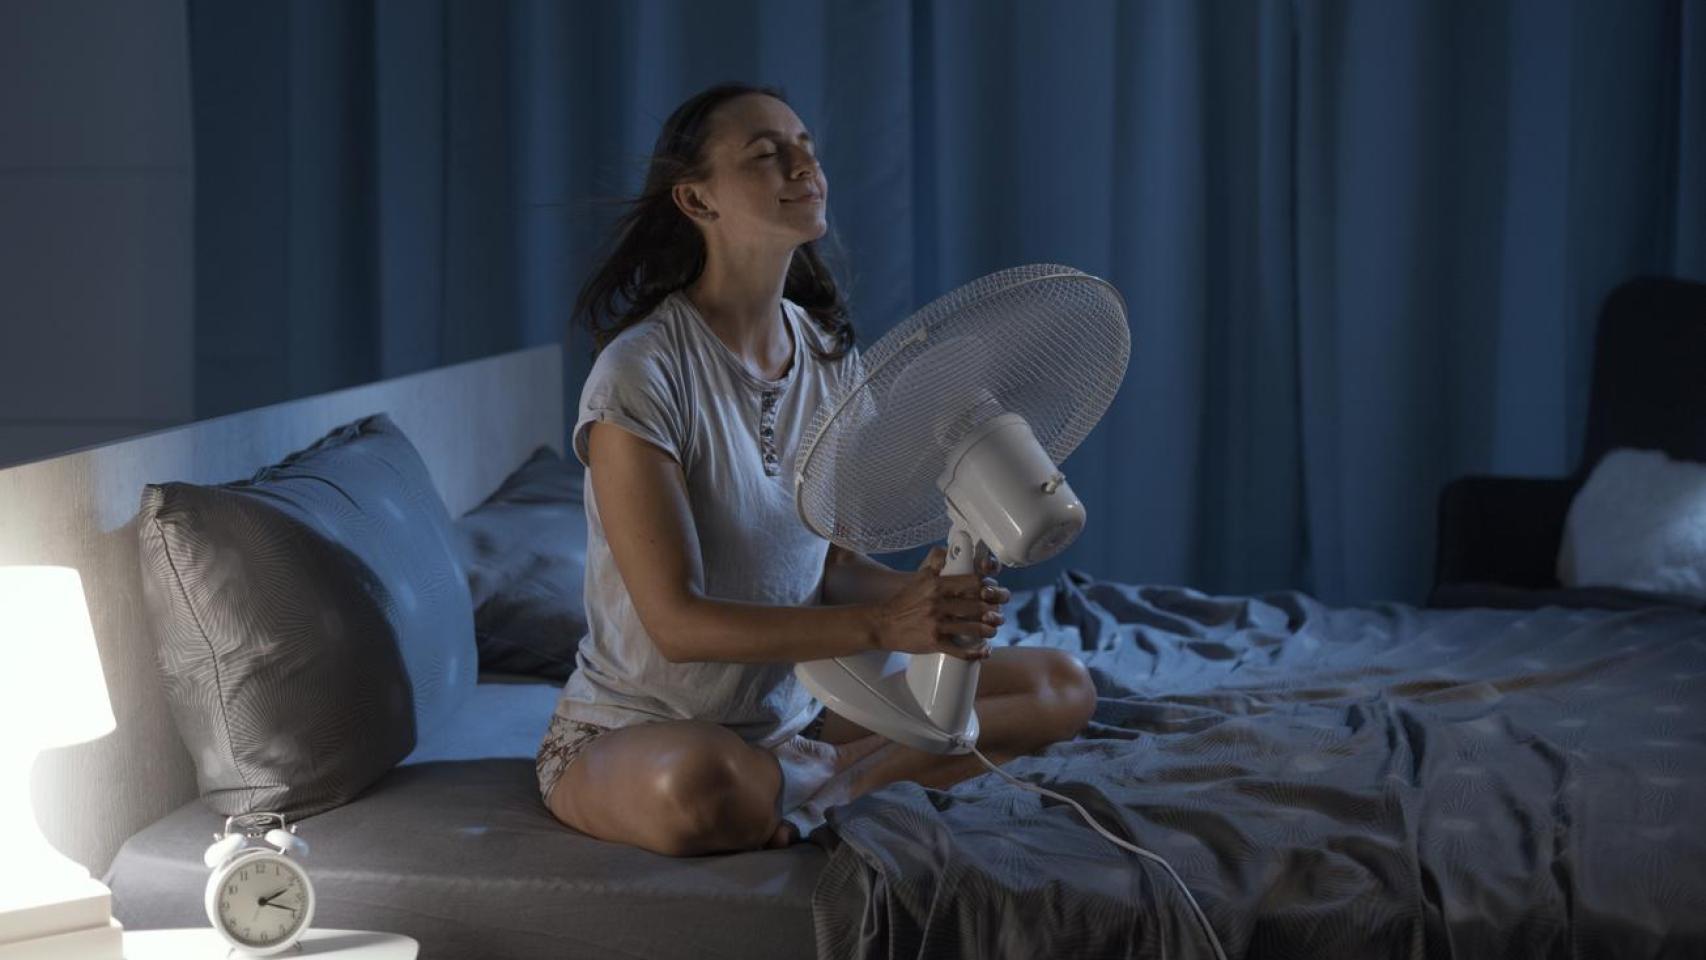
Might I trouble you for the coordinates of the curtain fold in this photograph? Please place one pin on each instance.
(1362, 244)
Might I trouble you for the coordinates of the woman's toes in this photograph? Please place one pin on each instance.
(783, 836)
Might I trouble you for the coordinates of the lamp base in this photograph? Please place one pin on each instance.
(68, 917)
(49, 905)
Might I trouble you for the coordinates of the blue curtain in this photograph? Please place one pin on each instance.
(1362, 243)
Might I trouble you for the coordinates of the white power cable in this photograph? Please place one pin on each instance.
(1208, 929)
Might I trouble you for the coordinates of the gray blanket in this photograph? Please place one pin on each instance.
(1329, 782)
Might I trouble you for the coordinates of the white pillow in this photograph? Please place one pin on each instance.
(1638, 523)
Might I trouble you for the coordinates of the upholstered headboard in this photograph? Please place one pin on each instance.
(473, 423)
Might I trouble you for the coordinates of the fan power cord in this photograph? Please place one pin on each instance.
(1208, 929)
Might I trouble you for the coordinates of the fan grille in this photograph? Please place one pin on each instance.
(1045, 341)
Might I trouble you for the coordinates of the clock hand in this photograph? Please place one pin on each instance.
(281, 891)
(278, 906)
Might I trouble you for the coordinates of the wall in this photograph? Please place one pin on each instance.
(96, 202)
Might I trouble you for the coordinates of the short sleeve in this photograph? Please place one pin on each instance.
(853, 374)
(853, 370)
(631, 386)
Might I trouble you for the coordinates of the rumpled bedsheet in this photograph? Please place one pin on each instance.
(1381, 781)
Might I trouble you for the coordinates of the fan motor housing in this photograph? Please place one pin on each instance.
(1002, 487)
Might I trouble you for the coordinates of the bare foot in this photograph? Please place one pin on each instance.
(851, 752)
(814, 767)
(853, 761)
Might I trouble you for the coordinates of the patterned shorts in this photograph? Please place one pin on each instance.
(565, 739)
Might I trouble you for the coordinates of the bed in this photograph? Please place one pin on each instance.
(1369, 781)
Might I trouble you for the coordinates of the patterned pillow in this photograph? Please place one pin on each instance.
(312, 620)
(525, 553)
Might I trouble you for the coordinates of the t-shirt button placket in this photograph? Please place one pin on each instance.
(767, 432)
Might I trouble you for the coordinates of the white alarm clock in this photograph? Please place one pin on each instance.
(258, 897)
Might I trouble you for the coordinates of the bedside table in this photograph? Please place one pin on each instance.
(201, 943)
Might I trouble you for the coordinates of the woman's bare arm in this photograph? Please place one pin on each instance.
(642, 501)
(852, 577)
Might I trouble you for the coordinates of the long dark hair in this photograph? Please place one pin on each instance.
(656, 250)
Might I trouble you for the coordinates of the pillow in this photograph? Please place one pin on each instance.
(525, 553)
(1638, 523)
(312, 620)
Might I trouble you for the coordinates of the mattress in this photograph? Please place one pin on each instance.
(458, 852)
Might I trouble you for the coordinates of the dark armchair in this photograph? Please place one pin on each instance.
(1499, 536)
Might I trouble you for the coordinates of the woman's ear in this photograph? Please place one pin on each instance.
(691, 202)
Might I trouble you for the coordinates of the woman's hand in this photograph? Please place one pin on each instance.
(931, 612)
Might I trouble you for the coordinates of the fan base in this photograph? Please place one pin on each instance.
(846, 684)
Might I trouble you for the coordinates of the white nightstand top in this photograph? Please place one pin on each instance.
(201, 943)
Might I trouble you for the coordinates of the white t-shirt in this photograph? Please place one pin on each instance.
(669, 380)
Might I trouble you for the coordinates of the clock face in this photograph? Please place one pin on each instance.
(261, 901)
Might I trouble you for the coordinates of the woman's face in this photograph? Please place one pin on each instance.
(765, 181)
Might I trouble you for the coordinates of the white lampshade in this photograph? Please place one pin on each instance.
(52, 691)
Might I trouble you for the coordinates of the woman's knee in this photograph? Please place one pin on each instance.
(718, 794)
(1068, 693)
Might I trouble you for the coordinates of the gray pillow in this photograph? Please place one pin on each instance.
(525, 552)
(312, 620)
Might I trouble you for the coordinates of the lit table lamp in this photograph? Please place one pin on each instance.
(52, 694)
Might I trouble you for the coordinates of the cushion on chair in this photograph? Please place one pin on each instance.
(524, 549)
(1639, 523)
(311, 620)
(1647, 394)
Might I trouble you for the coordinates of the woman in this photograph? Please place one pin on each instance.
(683, 729)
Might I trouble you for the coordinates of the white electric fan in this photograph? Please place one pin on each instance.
(954, 426)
